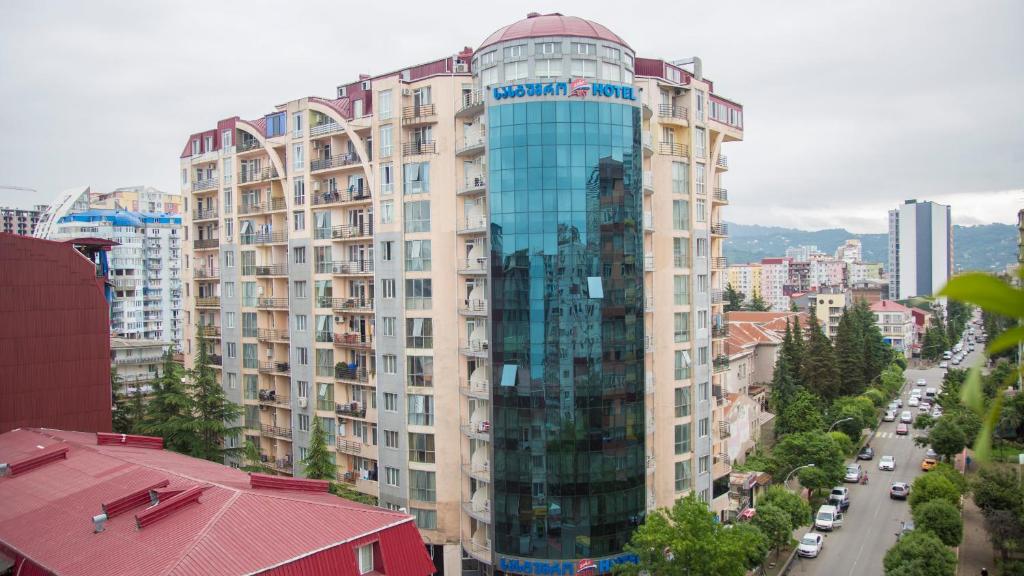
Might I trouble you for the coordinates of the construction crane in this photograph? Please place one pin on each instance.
(2, 187)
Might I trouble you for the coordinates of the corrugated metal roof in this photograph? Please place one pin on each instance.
(233, 529)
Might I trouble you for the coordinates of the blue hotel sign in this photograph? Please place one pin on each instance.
(578, 87)
(531, 567)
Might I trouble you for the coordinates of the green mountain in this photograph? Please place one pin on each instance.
(989, 247)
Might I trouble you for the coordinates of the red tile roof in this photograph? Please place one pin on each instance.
(889, 306)
(536, 25)
(233, 528)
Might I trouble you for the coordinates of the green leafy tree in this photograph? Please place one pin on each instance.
(213, 417)
(892, 379)
(757, 304)
(860, 411)
(749, 542)
(877, 354)
(997, 489)
(947, 437)
(928, 487)
(1011, 420)
(942, 519)
(733, 298)
(876, 396)
(950, 473)
(169, 413)
(820, 371)
(849, 351)
(798, 413)
(797, 508)
(920, 553)
(1006, 531)
(934, 343)
(318, 463)
(923, 422)
(843, 441)
(776, 524)
(798, 449)
(686, 539)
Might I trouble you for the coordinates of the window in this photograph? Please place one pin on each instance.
(418, 294)
(422, 486)
(387, 288)
(421, 448)
(680, 253)
(303, 388)
(301, 322)
(425, 519)
(628, 60)
(515, 70)
(702, 356)
(517, 51)
(549, 48)
(384, 104)
(683, 478)
(702, 243)
(387, 212)
(304, 422)
(681, 215)
(682, 364)
(702, 320)
(365, 553)
(299, 187)
(682, 441)
(299, 218)
(487, 59)
(229, 289)
(682, 327)
(489, 76)
(417, 255)
(680, 178)
(702, 427)
(387, 326)
(682, 402)
(390, 402)
(389, 363)
(391, 439)
(387, 178)
(302, 356)
(387, 251)
(299, 255)
(249, 329)
(547, 68)
(702, 283)
(583, 48)
(385, 141)
(700, 180)
(249, 359)
(297, 123)
(230, 350)
(416, 178)
(584, 68)
(611, 72)
(298, 157)
(420, 371)
(419, 333)
(421, 409)
(702, 468)
(229, 259)
(417, 216)
(681, 289)
(229, 320)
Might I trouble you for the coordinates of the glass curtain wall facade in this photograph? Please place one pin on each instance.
(568, 327)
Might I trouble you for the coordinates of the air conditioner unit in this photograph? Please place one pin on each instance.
(303, 402)
(406, 92)
(461, 67)
(338, 319)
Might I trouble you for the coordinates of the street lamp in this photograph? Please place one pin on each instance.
(786, 481)
(839, 421)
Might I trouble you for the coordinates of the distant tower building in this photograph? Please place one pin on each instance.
(920, 249)
(20, 221)
(850, 251)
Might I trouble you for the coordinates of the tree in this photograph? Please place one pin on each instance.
(747, 541)
(923, 422)
(940, 518)
(928, 488)
(843, 441)
(860, 410)
(877, 354)
(1006, 531)
(797, 351)
(820, 371)
(920, 553)
(797, 508)
(757, 304)
(318, 463)
(169, 410)
(687, 539)
(949, 473)
(214, 417)
(997, 489)
(876, 396)
(252, 460)
(798, 413)
(849, 351)
(934, 343)
(776, 524)
(733, 298)
(1011, 421)
(947, 437)
(800, 448)
(892, 379)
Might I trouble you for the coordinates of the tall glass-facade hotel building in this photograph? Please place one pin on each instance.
(497, 280)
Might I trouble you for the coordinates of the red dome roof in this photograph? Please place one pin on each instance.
(536, 25)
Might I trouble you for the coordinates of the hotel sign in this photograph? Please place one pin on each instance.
(578, 87)
(585, 567)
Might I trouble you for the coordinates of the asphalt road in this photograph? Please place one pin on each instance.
(873, 519)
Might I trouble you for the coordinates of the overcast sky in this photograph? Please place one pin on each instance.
(850, 107)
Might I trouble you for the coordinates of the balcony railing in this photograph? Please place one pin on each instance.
(720, 229)
(350, 232)
(248, 176)
(356, 374)
(723, 429)
(272, 270)
(414, 148)
(246, 145)
(324, 129)
(719, 262)
(720, 330)
(471, 104)
(355, 267)
(271, 397)
(350, 409)
(209, 302)
(672, 148)
(271, 335)
(336, 161)
(275, 368)
(205, 215)
(272, 303)
(720, 195)
(720, 363)
(474, 307)
(717, 296)
(472, 225)
(472, 185)
(722, 162)
(473, 266)
(264, 238)
(349, 447)
(357, 341)
(139, 359)
(350, 194)
(206, 273)
(210, 331)
(346, 304)
(276, 431)
(206, 243)
(668, 111)
(418, 113)
(208, 184)
(216, 360)
(272, 205)
(472, 143)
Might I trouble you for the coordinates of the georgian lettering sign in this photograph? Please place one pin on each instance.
(578, 87)
(583, 567)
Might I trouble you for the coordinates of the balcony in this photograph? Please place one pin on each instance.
(418, 114)
(473, 307)
(206, 273)
(719, 229)
(271, 335)
(210, 331)
(246, 145)
(724, 429)
(349, 447)
(648, 262)
(203, 215)
(720, 363)
(669, 112)
(343, 268)
(474, 348)
(416, 148)
(272, 398)
(336, 161)
(648, 222)
(480, 511)
(720, 195)
(673, 149)
(278, 237)
(481, 472)
(478, 430)
(353, 341)
(216, 360)
(473, 266)
(353, 409)
(472, 225)
(154, 358)
(474, 185)
(720, 330)
(208, 302)
(276, 431)
(325, 129)
(350, 194)
(648, 182)
(347, 304)
(719, 262)
(352, 232)
(267, 303)
(722, 162)
(479, 389)
(472, 104)
(205, 185)
(283, 368)
(206, 244)
(272, 205)
(272, 270)
(352, 374)
(251, 176)
(472, 145)
(717, 296)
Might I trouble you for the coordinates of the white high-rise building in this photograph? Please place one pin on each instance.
(920, 249)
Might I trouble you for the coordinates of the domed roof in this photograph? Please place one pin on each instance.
(536, 25)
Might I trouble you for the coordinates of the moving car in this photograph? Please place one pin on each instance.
(866, 453)
(901, 429)
(810, 545)
(928, 464)
(943, 364)
(914, 401)
(925, 406)
(887, 463)
(906, 417)
(899, 490)
(853, 473)
(828, 518)
(947, 355)
(931, 393)
(931, 453)
(890, 416)
(922, 382)
(893, 406)
(840, 498)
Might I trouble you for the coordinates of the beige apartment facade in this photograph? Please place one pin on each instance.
(378, 260)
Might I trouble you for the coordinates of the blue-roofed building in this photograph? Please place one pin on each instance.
(145, 268)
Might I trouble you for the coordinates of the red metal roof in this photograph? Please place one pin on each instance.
(889, 306)
(555, 24)
(233, 528)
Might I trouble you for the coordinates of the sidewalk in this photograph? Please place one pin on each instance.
(975, 551)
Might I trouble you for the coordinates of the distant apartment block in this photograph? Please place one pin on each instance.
(138, 362)
(803, 253)
(897, 324)
(829, 304)
(850, 251)
(138, 199)
(920, 249)
(745, 278)
(20, 221)
(774, 277)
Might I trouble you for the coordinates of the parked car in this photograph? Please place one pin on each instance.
(893, 406)
(828, 518)
(914, 401)
(931, 453)
(901, 429)
(937, 412)
(956, 361)
(887, 463)
(866, 453)
(924, 406)
(922, 382)
(906, 417)
(928, 464)
(810, 545)
(931, 392)
(943, 364)
(890, 416)
(947, 355)
(899, 490)
(853, 473)
(840, 498)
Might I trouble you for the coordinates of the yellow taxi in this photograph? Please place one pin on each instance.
(928, 464)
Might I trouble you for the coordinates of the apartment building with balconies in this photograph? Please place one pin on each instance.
(137, 199)
(21, 221)
(457, 267)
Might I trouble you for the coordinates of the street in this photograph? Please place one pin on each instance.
(873, 518)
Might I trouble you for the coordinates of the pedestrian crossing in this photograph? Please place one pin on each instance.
(890, 435)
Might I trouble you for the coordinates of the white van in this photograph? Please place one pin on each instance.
(828, 518)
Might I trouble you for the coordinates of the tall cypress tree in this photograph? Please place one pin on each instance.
(796, 357)
(820, 370)
(783, 387)
(877, 354)
(318, 463)
(169, 410)
(214, 417)
(849, 352)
